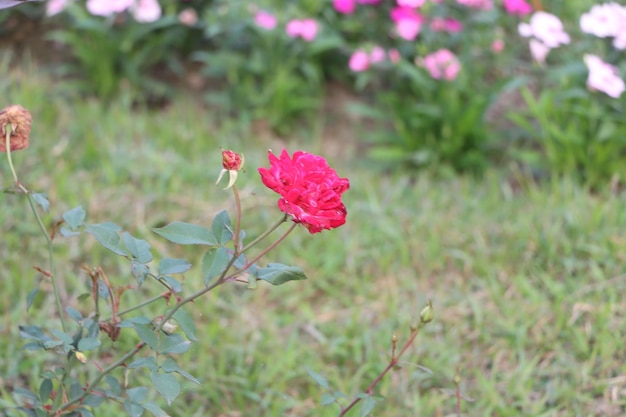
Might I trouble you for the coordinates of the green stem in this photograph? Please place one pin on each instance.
(270, 247)
(138, 306)
(222, 277)
(266, 233)
(94, 383)
(238, 221)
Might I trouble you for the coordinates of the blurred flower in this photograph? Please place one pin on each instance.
(145, 11)
(603, 77)
(441, 64)
(606, 20)
(410, 3)
(368, 1)
(408, 22)
(188, 17)
(305, 28)
(345, 6)
(497, 46)
(377, 54)
(394, 55)
(19, 120)
(439, 24)
(265, 20)
(359, 61)
(310, 191)
(477, 4)
(108, 7)
(55, 6)
(539, 51)
(545, 27)
(517, 7)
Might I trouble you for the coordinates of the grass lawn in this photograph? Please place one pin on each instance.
(526, 282)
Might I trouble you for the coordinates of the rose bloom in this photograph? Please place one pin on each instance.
(497, 46)
(188, 17)
(440, 24)
(377, 54)
(545, 27)
(20, 120)
(539, 51)
(55, 6)
(310, 191)
(394, 55)
(603, 77)
(517, 7)
(410, 3)
(441, 64)
(265, 20)
(108, 7)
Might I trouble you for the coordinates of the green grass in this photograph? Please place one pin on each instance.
(526, 283)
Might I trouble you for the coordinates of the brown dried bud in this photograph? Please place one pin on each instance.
(18, 120)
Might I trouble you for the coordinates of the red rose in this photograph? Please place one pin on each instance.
(231, 161)
(310, 190)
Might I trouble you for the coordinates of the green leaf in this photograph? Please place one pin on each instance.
(31, 297)
(139, 271)
(214, 263)
(187, 234)
(277, 274)
(147, 362)
(173, 266)
(32, 332)
(327, 398)
(137, 394)
(222, 227)
(173, 343)
(75, 217)
(167, 385)
(88, 343)
(42, 201)
(147, 335)
(169, 366)
(173, 283)
(186, 323)
(155, 409)
(73, 313)
(107, 235)
(45, 389)
(139, 248)
(367, 405)
(113, 384)
(133, 409)
(319, 379)
(92, 401)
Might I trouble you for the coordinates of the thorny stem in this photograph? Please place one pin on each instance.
(93, 384)
(392, 363)
(31, 203)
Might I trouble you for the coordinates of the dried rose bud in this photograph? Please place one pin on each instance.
(231, 161)
(18, 120)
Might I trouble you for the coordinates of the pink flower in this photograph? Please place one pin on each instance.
(545, 27)
(394, 55)
(359, 61)
(603, 77)
(441, 64)
(606, 20)
(439, 24)
(305, 28)
(477, 4)
(368, 1)
(310, 191)
(497, 46)
(108, 7)
(410, 3)
(344, 6)
(539, 51)
(377, 54)
(517, 7)
(408, 22)
(145, 11)
(265, 20)
(188, 16)
(55, 6)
